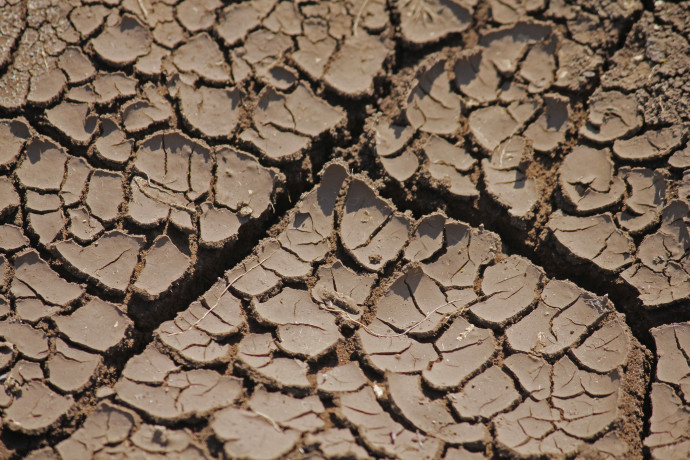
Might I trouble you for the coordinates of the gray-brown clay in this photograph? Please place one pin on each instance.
(416, 229)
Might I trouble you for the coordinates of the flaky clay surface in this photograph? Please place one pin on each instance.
(413, 229)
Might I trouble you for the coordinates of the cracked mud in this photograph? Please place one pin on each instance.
(413, 229)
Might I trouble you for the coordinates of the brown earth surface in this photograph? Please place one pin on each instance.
(413, 229)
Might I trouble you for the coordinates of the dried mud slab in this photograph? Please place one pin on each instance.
(424, 373)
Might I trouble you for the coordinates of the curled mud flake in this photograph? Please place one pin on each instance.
(300, 111)
(539, 65)
(651, 145)
(371, 231)
(669, 422)
(197, 15)
(86, 19)
(33, 310)
(511, 11)
(411, 299)
(586, 414)
(355, 64)
(46, 226)
(288, 412)
(276, 144)
(401, 167)
(505, 47)
(248, 434)
(157, 439)
(43, 165)
(466, 251)
(263, 50)
(679, 160)
(151, 65)
(510, 287)
(672, 346)
(47, 453)
(41, 202)
(560, 319)
(492, 125)
(108, 261)
(341, 288)
(431, 105)
(570, 381)
(548, 131)
(511, 188)
(337, 442)
(611, 115)
(476, 77)
(46, 88)
(122, 40)
(314, 48)
(643, 206)
(35, 275)
(533, 374)
(485, 395)
(98, 325)
(587, 180)
(430, 415)
(11, 238)
(242, 182)
(464, 349)
(9, 198)
(388, 351)
(76, 65)
(236, 20)
(310, 227)
(661, 277)
(141, 113)
(606, 349)
(279, 76)
(169, 34)
(105, 89)
(380, 432)
(285, 18)
(427, 238)
(251, 277)
(176, 162)
(30, 342)
(304, 329)
(202, 56)
(255, 352)
(70, 369)
(36, 409)
(164, 265)
(389, 137)
(426, 21)
(450, 165)
(595, 239)
(151, 204)
(348, 377)
(111, 144)
(78, 171)
(13, 135)
(151, 366)
(192, 344)
(200, 108)
(529, 431)
(105, 194)
(183, 395)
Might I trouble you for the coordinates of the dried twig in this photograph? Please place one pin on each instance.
(220, 296)
(143, 9)
(358, 17)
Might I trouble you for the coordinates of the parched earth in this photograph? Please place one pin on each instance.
(413, 229)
